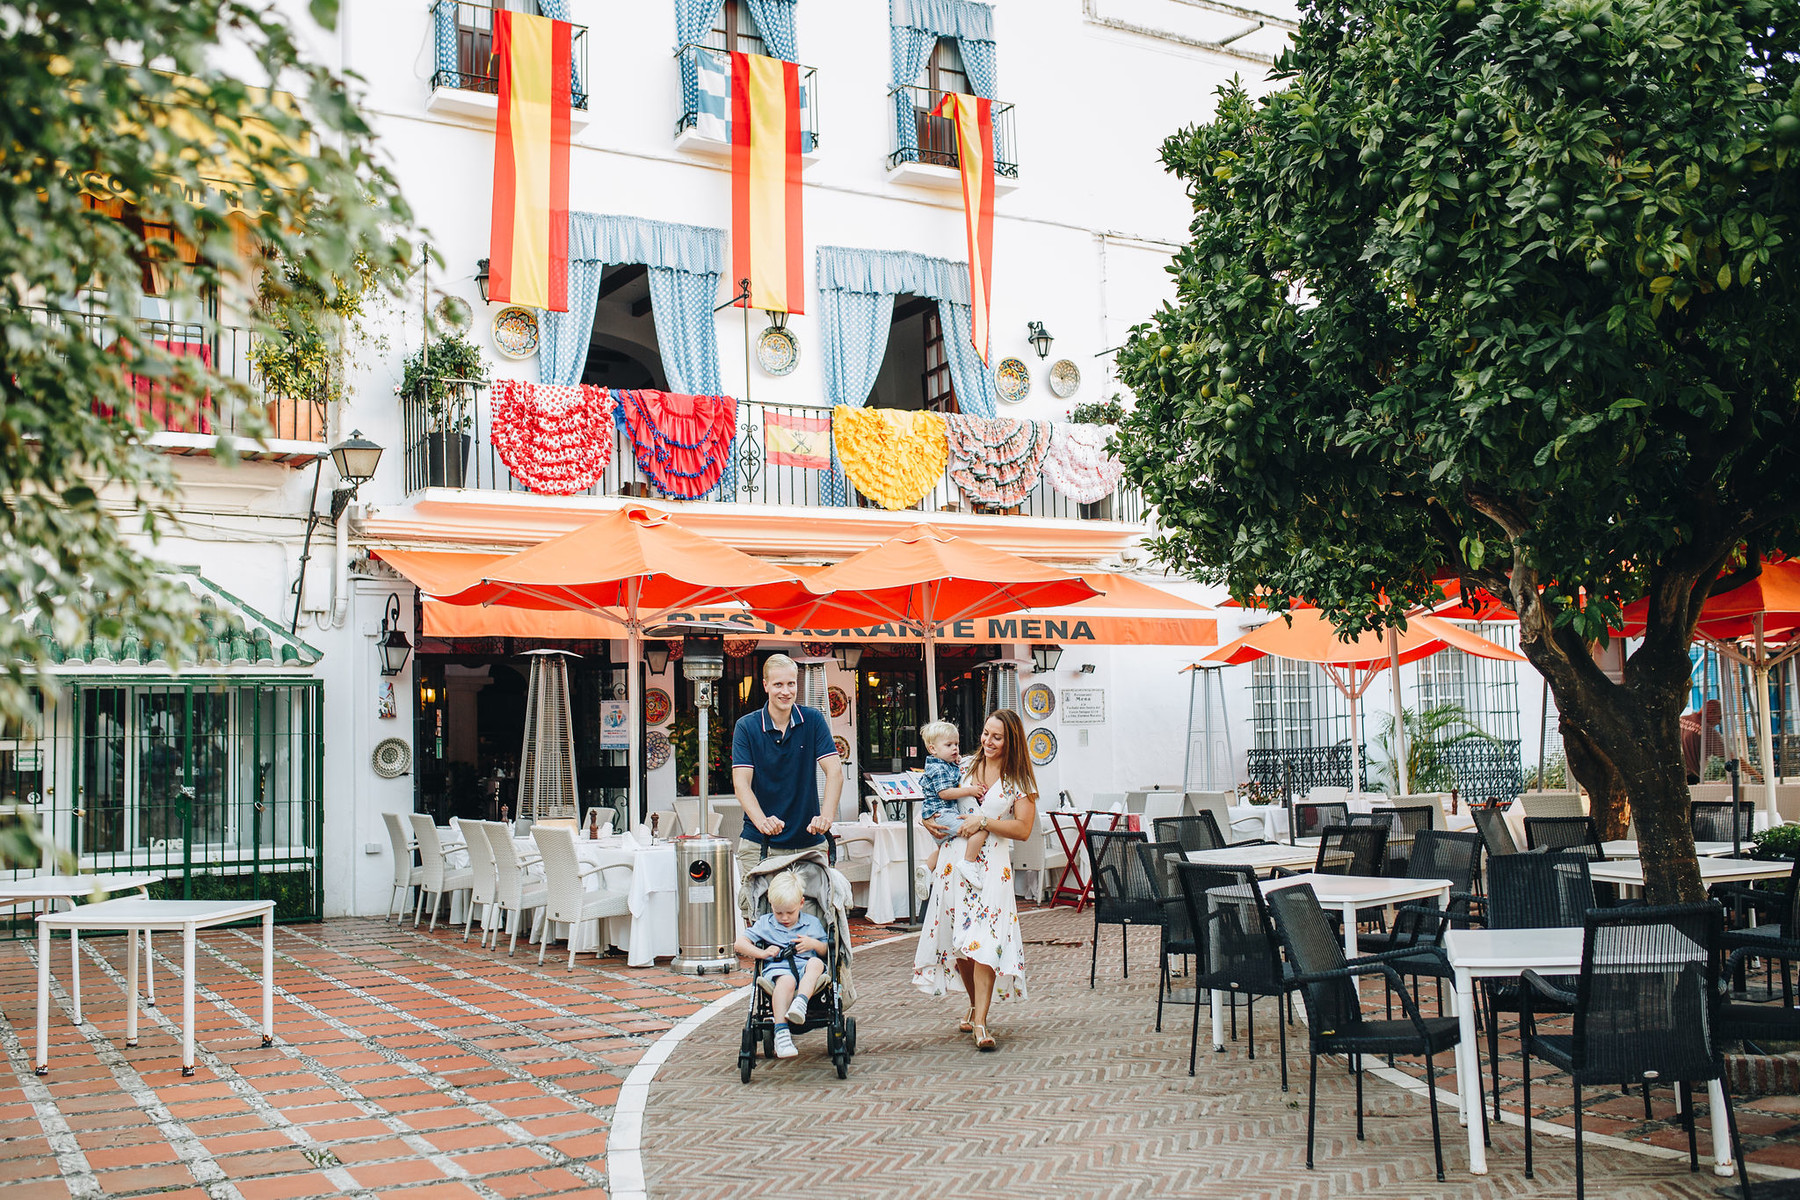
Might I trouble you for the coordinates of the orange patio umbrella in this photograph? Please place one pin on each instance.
(925, 577)
(1352, 665)
(628, 568)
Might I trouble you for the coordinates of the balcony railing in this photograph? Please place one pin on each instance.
(449, 445)
(919, 137)
(464, 34)
(706, 97)
(226, 351)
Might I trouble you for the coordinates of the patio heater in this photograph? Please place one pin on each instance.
(706, 921)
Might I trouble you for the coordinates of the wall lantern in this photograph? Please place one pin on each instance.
(1045, 658)
(392, 642)
(849, 657)
(656, 657)
(1039, 337)
(481, 278)
(355, 459)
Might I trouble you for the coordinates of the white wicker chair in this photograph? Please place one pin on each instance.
(481, 866)
(406, 875)
(516, 891)
(438, 879)
(569, 901)
(1551, 804)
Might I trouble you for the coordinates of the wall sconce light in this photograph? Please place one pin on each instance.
(1045, 658)
(656, 657)
(427, 694)
(392, 642)
(481, 278)
(1039, 337)
(849, 657)
(1087, 668)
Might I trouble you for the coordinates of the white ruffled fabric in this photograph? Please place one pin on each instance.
(1079, 465)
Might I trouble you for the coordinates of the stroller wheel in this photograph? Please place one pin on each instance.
(850, 1036)
(745, 1063)
(769, 1042)
(842, 1062)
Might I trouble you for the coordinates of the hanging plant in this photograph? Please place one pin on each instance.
(299, 357)
(1098, 412)
(435, 381)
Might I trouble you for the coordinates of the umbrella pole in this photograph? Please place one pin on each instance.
(1356, 786)
(1401, 774)
(1765, 726)
(930, 610)
(634, 655)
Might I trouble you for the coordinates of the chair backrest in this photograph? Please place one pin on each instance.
(1495, 834)
(1313, 816)
(1158, 861)
(1648, 994)
(431, 854)
(1216, 803)
(1315, 948)
(567, 823)
(1712, 820)
(1578, 834)
(481, 861)
(1437, 802)
(1192, 833)
(1538, 891)
(1352, 850)
(1105, 802)
(562, 872)
(602, 816)
(1226, 908)
(1551, 804)
(1327, 795)
(1119, 877)
(1135, 801)
(1163, 804)
(1440, 854)
(1790, 917)
(1715, 792)
(731, 821)
(509, 876)
(687, 816)
(401, 844)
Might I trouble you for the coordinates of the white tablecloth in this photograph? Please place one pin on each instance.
(883, 847)
(1272, 818)
(651, 931)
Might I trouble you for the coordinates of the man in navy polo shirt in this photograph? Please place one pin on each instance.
(775, 755)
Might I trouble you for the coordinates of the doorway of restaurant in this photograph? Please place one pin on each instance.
(890, 703)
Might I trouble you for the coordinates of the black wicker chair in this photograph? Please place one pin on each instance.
(1755, 1024)
(1578, 835)
(1404, 824)
(1437, 854)
(1496, 835)
(1783, 910)
(1351, 850)
(1531, 891)
(1198, 832)
(1646, 1005)
(1712, 820)
(1123, 895)
(1334, 1017)
(1237, 948)
(1310, 818)
(1159, 862)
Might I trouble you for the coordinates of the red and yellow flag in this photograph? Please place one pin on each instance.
(766, 244)
(529, 255)
(974, 119)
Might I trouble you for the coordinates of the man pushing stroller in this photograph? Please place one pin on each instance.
(787, 939)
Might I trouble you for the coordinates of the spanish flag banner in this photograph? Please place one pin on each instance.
(974, 119)
(790, 440)
(766, 244)
(529, 255)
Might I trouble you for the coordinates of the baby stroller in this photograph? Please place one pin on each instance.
(827, 895)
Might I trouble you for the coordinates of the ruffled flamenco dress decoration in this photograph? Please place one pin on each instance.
(1079, 465)
(996, 460)
(894, 457)
(555, 439)
(683, 442)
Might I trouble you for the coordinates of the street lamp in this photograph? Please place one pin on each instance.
(392, 643)
(354, 458)
(1039, 337)
(1045, 658)
(656, 657)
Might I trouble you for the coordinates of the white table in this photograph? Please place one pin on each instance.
(133, 913)
(50, 889)
(1506, 954)
(884, 844)
(1264, 858)
(650, 930)
(1272, 818)
(1629, 872)
(1626, 848)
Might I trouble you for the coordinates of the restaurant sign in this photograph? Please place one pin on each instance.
(1084, 706)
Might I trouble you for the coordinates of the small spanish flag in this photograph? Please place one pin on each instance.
(974, 119)
(766, 243)
(529, 255)
(791, 440)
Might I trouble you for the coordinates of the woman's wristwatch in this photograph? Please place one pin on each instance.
(984, 822)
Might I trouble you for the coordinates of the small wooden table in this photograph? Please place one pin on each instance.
(50, 889)
(134, 913)
(1077, 822)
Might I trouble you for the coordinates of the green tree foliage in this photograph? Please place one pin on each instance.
(1504, 292)
(152, 107)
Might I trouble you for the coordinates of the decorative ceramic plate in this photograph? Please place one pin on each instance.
(1039, 701)
(1042, 744)
(656, 749)
(843, 746)
(392, 758)
(657, 706)
(1065, 379)
(1012, 379)
(840, 701)
(516, 332)
(777, 351)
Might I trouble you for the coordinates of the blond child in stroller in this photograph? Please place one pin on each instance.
(786, 938)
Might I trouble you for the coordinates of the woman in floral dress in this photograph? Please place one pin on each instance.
(972, 925)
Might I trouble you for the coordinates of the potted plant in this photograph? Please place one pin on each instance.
(440, 380)
(299, 356)
(1098, 412)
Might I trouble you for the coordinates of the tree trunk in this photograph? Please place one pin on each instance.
(1608, 802)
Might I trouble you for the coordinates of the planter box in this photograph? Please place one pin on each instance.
(446, 457)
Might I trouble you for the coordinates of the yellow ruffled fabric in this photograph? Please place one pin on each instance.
(893, 457)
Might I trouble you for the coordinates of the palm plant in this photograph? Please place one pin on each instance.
(1430, 733)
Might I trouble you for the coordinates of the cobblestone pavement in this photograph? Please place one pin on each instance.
(416, 1066)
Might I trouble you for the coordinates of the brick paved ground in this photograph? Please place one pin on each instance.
(413, 1065)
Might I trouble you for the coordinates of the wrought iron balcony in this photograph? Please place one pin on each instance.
(463, 31)
(920, 138)
(705, 121)
(449, 443)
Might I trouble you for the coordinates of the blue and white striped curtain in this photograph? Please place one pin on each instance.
(974, 386)
(693, 21)
(917, 25)
(775, 21)
(853, 341)
(443, 22)
(558, 10)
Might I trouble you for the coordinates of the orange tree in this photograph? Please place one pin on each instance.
(1502, 291)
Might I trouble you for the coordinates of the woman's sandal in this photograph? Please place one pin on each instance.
(968, 1022)
(984, 1040)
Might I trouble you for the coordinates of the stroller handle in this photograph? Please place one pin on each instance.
(831, 852)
